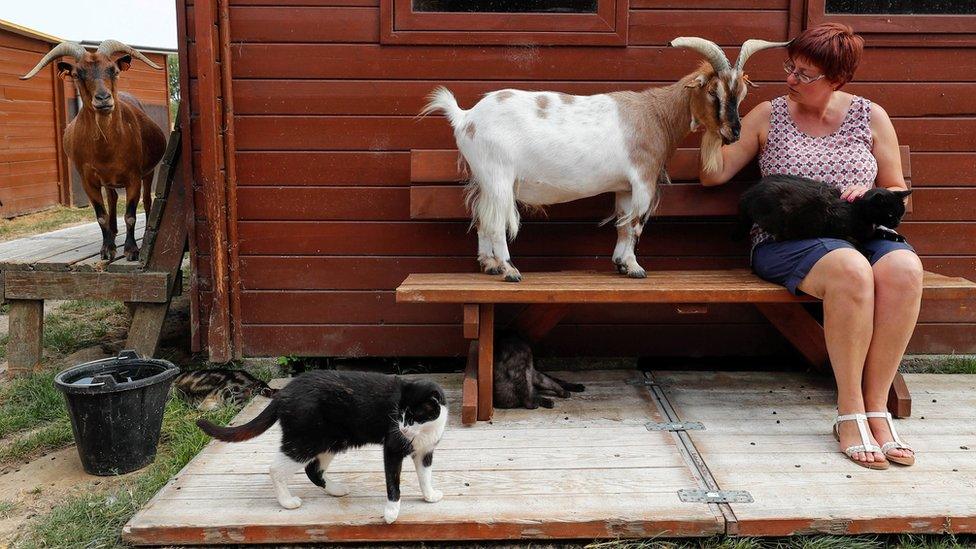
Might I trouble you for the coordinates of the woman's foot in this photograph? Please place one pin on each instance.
(894, 448)
(847, 431)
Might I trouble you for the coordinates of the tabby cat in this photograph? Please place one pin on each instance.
(211, 387)
(517, 384)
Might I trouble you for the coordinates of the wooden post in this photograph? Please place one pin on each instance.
(899, 399)
(486, 356)
(469, 387)
(25, 347)
(212, 176)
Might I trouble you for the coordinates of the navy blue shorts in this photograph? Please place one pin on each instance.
(788, 262)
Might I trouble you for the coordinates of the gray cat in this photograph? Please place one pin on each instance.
(517, 384)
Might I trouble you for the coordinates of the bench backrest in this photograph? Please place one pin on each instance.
(435, 194)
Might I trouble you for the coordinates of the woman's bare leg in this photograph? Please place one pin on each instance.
(844, 281)
(897, 298)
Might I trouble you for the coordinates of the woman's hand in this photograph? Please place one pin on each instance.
(853, 192)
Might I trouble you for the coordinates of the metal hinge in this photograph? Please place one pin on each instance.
(643, 382)
(715, 496)
(676, 426)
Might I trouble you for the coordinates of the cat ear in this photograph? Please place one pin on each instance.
(902, 194)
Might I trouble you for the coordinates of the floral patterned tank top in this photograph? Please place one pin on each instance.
(842, 158)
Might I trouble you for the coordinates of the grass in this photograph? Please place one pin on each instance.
(955, 365)
(42, 222)
(7, 509)
(33, 417)
(88, 519)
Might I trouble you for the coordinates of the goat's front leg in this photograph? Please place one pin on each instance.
(94, 192)
(624, 255)
(131, 203)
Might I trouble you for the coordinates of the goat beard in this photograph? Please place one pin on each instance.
(711, 152)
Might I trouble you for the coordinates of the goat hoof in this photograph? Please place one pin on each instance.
(637, 273)
(494, 271)
(513, 277)
(621, 268)
(108, 253)
(132, 255)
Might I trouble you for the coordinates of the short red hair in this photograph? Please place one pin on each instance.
(832, 47)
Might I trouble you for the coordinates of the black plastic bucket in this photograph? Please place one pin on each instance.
(116, 407)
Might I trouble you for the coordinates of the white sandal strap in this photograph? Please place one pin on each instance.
(895, 445)
(862, 428)
(851, 450)
(896, 442)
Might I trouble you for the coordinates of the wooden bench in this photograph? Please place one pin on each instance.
(435, 194)
(66, 264)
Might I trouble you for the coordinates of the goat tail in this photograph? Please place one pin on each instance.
(249, 430)
(441, 99)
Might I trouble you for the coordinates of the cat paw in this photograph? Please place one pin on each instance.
(433, 496)
(293, 502)
(336, 489)
(391, 512)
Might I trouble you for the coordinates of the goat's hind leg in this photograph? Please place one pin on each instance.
(489, 265)
(496, 216)
(624, 255)
(131, 203)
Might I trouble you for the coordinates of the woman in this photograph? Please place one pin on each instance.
(871, 297)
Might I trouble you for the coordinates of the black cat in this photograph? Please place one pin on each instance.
(323, 413)
(517, 384)
(792, 208)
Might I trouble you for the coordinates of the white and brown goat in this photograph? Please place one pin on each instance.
(112, 141)
(541, 148)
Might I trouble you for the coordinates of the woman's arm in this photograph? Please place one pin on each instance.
(740, 153)
(886, 152)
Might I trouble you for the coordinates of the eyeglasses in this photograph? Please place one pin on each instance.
(790, 68)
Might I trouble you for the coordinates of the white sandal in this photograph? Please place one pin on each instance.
(894, 444)
(865, 446)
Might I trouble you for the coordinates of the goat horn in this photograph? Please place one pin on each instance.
(108, 47)
(74, 49)
(751, 46)
(709, 49)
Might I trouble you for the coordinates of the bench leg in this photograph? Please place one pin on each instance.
(25, 346)
(469, 387)
(899, 399)
(800, 329)
(486, 355)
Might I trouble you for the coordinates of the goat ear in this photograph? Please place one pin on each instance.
(698, 82)
(65, 69)
(745, 78)
(124, 62)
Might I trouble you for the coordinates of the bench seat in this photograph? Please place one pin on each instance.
(549, 295)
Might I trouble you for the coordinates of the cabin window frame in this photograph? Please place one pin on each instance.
(893, 24)
(401, 25)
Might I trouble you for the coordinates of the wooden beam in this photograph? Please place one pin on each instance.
(212, 176)
(899, 399)
(800, 329)
(142, 287)
(166, 253)
(25, 347)
(536, 320)
(470, 322)
(469, 387)
(486, 356)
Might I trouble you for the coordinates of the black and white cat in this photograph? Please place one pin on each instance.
(517, 384)
(792, 208)
(325, 412)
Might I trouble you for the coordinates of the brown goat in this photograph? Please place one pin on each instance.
(112, 141)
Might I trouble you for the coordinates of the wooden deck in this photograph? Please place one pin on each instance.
(591, 469)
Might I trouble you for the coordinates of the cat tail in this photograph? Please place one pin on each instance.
(247, 431)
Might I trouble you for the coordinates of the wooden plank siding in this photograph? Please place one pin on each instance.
(324, 122)
(29, 178)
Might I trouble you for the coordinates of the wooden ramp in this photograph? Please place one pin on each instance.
(590, 468)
